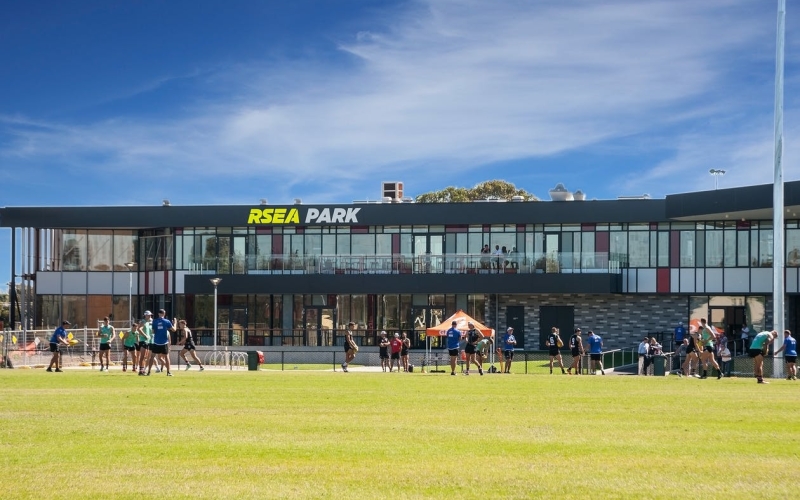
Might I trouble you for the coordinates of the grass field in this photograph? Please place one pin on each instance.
(303, 434)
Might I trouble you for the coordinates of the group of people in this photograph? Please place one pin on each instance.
(499, 258)
(577, 350)
(398, 346)
(648, 349)
(146, 342)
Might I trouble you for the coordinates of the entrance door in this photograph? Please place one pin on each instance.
(562, 317)
(238, 325)
(729, 319)
(515, 318)
(318, 325)
(424, 317)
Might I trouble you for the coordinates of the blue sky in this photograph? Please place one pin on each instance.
(202, 102)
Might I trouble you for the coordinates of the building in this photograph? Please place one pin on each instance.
(296, 274)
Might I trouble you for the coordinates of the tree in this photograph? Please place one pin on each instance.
(496, 189)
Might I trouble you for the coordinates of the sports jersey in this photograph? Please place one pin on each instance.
(595, 344)
(509, 341)
(575, 342)
(147, 332)
(60, 333)
(453, 338)
(791, 346)
(161, 328)
(553, 340)
(759, 340)
(396, 344)
(106, 332)
(680, 332)
(707, 337)
(130, 338)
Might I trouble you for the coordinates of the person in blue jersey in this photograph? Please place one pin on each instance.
(161, 339)
(758, 349)
(509, 342)
(595, 352)
(680, 334)
(789, 349)
(58, 339)
(106, 335)
(453, 336)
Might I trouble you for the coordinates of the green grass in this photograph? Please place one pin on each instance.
(304, 434)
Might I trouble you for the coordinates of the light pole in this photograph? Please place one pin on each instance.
(716, 173)
(130, 265)
(215, 282)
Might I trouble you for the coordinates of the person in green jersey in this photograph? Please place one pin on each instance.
(708, 338)
(129, 341)
(106, 335)
(759, 347)
(146, 335)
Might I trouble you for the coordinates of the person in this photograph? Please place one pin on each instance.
(554, 342)
(509, 342)
(106, 334)
(722, 344)
(186, 337)
(790, 354)
(680, 334)
(745, 339)
(58, 339)
(161, 337)
(473, 337)
(596, 352)
(692, 355)
(453, 336)
(482, 349)
(406, 343)
(725, 357)
(350, 347)
(758, 349)
(511, 258)
(485, 251)
(395, 346)
(129, 343)
(576, 349)
(146, 335)
(498, 257)
(708, 337)
(384, 351)
(644, 356)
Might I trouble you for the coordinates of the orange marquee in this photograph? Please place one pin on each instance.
(461, 318)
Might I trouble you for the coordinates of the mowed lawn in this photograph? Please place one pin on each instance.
(302, 434)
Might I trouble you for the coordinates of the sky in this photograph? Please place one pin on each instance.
(206, 102)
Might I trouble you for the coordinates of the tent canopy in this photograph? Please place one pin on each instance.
(461, 318)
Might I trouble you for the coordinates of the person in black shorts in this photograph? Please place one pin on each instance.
(473, 337)
(692, 355)
(553, 343)
(350, 347)
(384, 351)
(404, 350)
(186, 337)
(576, 349)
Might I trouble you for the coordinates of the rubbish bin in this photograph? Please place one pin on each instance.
(254, 359)
(659, 362)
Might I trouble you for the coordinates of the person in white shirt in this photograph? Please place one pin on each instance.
(644, 350)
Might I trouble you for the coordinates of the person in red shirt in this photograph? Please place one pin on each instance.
(396, 345)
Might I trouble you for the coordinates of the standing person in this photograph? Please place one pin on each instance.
(722, 344)
(708, 338)
(404, 351)
(576, 349)
(644, 352)
(725, 357)
(350, 347)
(106, 334)
(680, 334)
(58, 339)
(146, 334)
(161, 330)
(384, 351)
(595, 351)
(758, 349)
(745, 339)
(129, 343)
(692, 355)
(790, 348)
(143, 337)
(473, 337)
(554, 343)
(509, 342)
(453, 343)
(395, 345)
(186, 337)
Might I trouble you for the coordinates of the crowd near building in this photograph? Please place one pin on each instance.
(296, 274)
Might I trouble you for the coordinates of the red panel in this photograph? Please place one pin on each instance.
(674, 249)
(662, 280)
(395, 243)
(166, 282)
(277, 244)
(601, 241)
(588, 227)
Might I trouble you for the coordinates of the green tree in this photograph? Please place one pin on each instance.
(497, 189)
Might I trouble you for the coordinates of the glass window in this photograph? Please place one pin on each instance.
(714, 248)
(663, 249)
(343, 244)
(793, 248)
(729, 246)
(618, 247)
(124, 249)
(73, 245)
(639, 249)
(742, 253)
(687, 248)
(363, 244)
(765, 248)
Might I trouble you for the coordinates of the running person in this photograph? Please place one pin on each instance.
(554, 342)
(790, 348)
(595, 351)
(129, 342)
(161, 329)
(186, 337)
(576, 349)
(453, 336)
(106, 334)
(384, 351)
(758, 349)
(708, 337)
(350, 347)
(58, 339)
(404, 351)
(509, 342)
(692, 354)
(473, 337)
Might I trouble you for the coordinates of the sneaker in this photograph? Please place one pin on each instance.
(58, 370)
(49, 369)
(602, 372)
(201, 368)
(141, 374)
(762, 381)
(187, 366)
(453, 373)
(466, 372)
(563, 372)
(158, 370)
(344, 368)
(569, 371)
(480, 370)
(719, 375)
(169, 374)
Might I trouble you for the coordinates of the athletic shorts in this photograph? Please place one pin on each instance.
(453, 352)
(130, 348)
(469, 349)
(383, 355)
(595, 357)
(159, 348)
(347, 347)
(576, 352)
(791, 359)
(189, 346)
(508, 355)
(105, 347)
(404, 352)
(53, 347)
(708, 349)
(141, 345)
(554, 351)
(150, 347)
(754, 352)
(395, 355)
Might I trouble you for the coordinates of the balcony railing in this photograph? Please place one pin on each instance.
(559, 263)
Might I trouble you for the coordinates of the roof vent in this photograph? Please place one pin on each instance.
(263, 201)
(408, 199)
(386, 199)
(579, 195)
(560, 193)
(298, 201)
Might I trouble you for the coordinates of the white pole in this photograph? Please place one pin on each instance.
(777, 205)
(130, 295)
(215, 316)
